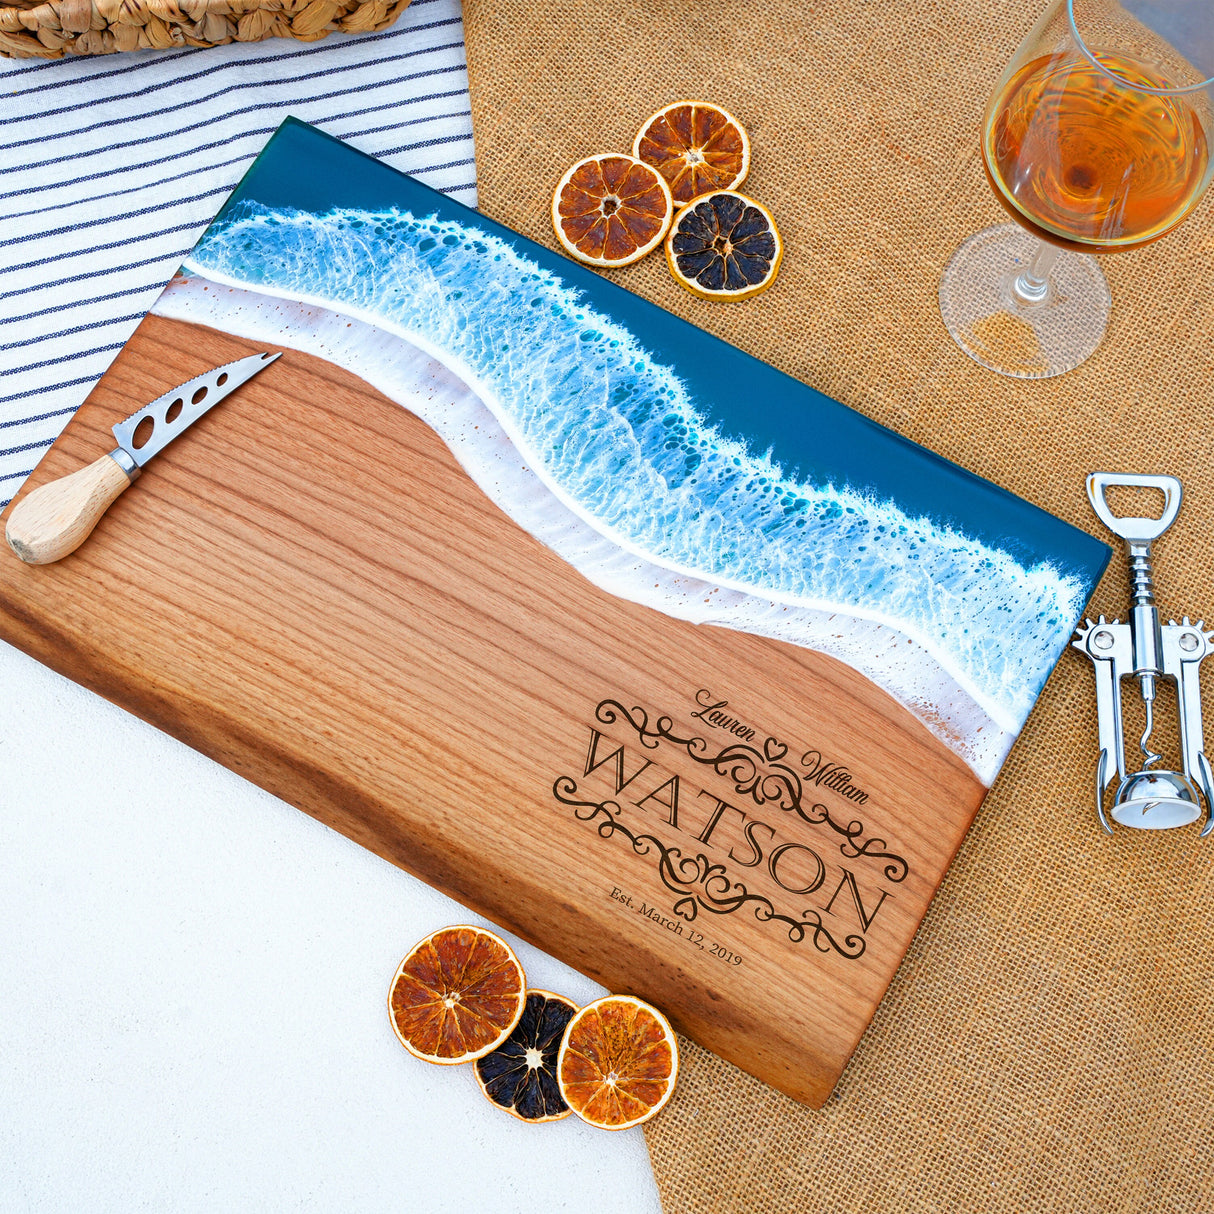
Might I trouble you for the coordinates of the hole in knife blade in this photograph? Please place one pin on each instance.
(173, 412)
(223, 379)
(198, 396)
(143, 433)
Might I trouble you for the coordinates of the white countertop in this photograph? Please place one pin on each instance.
(193, 1010)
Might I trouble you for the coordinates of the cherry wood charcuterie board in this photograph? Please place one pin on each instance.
(310, 588)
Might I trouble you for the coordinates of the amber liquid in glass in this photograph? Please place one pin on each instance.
(1087, 163)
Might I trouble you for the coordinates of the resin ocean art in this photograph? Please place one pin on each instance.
(666, 467)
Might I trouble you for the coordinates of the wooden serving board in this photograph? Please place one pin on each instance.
(308, 588)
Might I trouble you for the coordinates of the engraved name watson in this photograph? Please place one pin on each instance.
(715, 851)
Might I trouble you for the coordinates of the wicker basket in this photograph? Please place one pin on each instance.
(51, 28)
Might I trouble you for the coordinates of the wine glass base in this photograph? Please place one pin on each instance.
(999, 330)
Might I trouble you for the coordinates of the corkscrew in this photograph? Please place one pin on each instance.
(1144, 649)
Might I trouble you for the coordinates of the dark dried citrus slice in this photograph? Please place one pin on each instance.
(520, 1075)
(611, 210)
(724, 246)
(696, 146)
(457, 995)
(618, 1063)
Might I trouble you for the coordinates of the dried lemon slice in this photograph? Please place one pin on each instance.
(520, 1075)
(618, 1062)
(457, 995)
(724, 245)
(611, 210)
(696, 146)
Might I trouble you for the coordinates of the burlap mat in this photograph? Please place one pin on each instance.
(1046, 1044)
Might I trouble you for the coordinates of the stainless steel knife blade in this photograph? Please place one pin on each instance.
(181, 407)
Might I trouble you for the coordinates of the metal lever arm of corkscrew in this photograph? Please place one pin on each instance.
(1110, 648)
(1184, 646)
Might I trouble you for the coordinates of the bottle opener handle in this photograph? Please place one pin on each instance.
(1140, 530)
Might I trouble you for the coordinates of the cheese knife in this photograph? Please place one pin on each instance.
(56, 518)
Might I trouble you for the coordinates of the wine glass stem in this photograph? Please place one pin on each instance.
(1031, 287)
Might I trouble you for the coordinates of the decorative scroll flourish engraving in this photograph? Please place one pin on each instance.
(756, 772)
(895, 870)
(699, 883)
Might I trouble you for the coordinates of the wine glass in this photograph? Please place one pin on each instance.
(1096, 139)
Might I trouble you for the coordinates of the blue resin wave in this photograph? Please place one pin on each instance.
(617, 436)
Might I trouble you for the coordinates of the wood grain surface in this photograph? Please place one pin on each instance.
(308, 588)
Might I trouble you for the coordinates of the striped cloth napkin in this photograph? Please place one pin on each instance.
(111, 167)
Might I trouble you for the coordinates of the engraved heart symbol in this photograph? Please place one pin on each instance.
(774, 750)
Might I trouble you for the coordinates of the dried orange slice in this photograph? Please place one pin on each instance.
(457, 995)
(724, 246)
(618, 1063)
(611, 210)
(520, 1075)
(696, 146)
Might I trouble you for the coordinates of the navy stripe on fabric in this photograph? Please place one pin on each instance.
(140, 115)
(130, 189)
(83, 64)
(48, 389)
(26, 447)
(221, 164)
(154, 208)
(218, 143)
(178, 254)
(393, 126)
(142, 289)
(38, 417)
(33, 341)
(134, 168)
(66, 358)
(185, 130)
(101, 248)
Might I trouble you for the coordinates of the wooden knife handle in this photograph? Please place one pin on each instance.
(58, 517)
